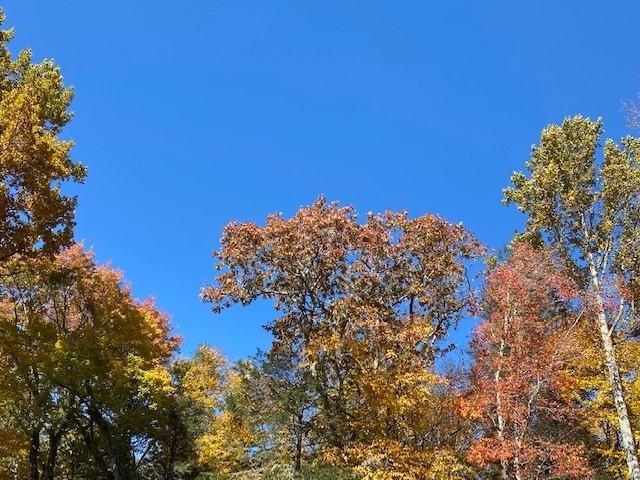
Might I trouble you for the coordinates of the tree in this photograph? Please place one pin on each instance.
(232, 437)
(589, 208)
(365, 309)
(81, 362)
(521, 389)
(284, 393)
(632, 109)
(34, 161)
(589, 369)
(196, 399)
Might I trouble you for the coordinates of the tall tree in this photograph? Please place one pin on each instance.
(80, 357)
(521, 389)
(589, 207)
(365, 308)
(34, 161)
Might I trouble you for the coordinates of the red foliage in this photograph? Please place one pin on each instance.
(520, 389)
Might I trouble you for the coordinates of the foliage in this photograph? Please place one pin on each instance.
(588, 207)
(521, 390)
(80, 357)
(349, 390)
(364, 309)
(34, 161)
(197, 391)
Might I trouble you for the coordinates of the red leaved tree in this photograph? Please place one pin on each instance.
(521, 392)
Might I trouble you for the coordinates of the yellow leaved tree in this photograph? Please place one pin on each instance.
(34, 161)
(363, 309)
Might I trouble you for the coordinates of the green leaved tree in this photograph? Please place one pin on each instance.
(587, 205)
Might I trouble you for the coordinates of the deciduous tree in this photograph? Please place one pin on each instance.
(521, 389)
(34, 161)
(365, 307)
(588, 206)
(80, 356)
(197, 398)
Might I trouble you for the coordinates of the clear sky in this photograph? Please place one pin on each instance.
(192, 114)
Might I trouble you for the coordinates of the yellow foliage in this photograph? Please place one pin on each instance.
(386, 459)
(594, 393)
(230, 437)
(203, 379)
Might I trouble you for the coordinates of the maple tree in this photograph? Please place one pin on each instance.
(34, 161)
(521, 389)
(363, 306)
(80, 355)
(588, 207)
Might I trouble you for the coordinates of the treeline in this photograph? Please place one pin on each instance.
(353, 386)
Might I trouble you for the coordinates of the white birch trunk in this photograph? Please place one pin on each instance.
(624, 424)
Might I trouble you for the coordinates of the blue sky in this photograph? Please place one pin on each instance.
(192, 114)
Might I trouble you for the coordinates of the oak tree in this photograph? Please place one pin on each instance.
(365, 307)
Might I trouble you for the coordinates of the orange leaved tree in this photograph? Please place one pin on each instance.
(521, 391)
(365, 307)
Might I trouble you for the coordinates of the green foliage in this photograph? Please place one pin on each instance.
(585, 201)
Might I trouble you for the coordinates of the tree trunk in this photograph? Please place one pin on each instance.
(116, 464)
(504, 465)
(624, 424)
(626, 433)
(34, 451)
(52, 457)
(298, 459)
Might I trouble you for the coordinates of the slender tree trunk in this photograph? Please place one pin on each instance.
(504, 465)
(34, 452)
(116, 464)
(516, 461)
(52, 456)
(624, 424)
(298, 459)
(626, 433)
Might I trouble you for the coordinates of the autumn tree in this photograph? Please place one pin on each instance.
(632, 110)
(34, 161)
(365, 308)
(198, 384)
(587, 206)
(522, 391)
(589, 369)
(82, 364)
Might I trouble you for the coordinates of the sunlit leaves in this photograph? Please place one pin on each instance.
(34, 161)
(363, 306)
(522, 391)
(79, 354)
